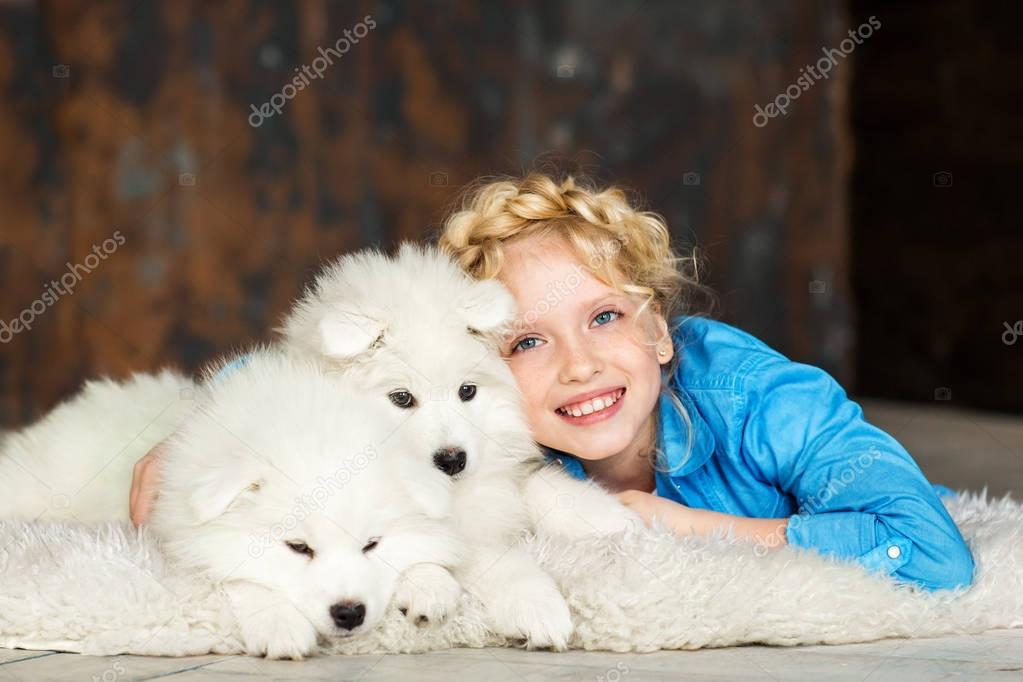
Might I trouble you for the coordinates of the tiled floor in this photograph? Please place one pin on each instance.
(958, 448)
(997, 655)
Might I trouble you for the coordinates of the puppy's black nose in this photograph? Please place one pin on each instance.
(449, 460)
(348, 615)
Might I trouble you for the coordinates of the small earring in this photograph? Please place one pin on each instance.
(662, 353)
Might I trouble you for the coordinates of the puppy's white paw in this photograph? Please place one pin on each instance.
(563, 506)
(589, 518)
(614, 518)
(534, 610)
(270, 625)
(427, 593)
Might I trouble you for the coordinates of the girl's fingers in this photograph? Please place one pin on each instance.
(133, 495)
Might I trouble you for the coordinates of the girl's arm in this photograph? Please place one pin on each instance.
(860, 495)
(767, 533)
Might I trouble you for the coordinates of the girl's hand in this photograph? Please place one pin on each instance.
(144, 486)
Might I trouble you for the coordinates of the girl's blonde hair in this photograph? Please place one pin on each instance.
(626, 248)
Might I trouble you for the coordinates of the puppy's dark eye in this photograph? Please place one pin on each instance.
(300, 547)
(370, 545)
(402, 399)
(466, 392)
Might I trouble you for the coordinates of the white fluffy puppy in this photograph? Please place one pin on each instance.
(417, 329)
(277, 483)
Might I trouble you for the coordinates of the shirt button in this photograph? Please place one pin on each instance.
(894, 552)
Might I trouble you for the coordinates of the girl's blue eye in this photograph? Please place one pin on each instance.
(519, 346)
(602, 318)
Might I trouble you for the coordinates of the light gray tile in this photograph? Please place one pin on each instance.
(994, 655)
(79, 668)
(11, 655)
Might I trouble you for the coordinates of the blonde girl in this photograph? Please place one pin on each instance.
(686, 418)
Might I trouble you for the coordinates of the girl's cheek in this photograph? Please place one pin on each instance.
(528, 376)
(633, 339)
(521, 374)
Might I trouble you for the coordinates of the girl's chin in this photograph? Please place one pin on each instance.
(596, 451)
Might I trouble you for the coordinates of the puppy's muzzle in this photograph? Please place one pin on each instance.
(449, 460)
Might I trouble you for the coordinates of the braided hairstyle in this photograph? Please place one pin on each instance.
(626, 248)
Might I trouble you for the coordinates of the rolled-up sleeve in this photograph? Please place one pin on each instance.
(860, 495)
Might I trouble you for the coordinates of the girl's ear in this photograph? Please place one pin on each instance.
(665, 344)
(487, 307)
(345, 334)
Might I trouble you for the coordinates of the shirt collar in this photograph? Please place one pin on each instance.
(671, 438)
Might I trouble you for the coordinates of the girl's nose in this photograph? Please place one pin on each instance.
(578, 364)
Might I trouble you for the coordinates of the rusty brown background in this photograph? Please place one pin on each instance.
(130, 121)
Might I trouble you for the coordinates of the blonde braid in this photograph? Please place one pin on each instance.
(597, 223)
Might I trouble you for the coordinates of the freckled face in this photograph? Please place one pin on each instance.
(576, 337)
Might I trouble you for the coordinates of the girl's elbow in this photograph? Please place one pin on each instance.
(954, 571)
(961, 570)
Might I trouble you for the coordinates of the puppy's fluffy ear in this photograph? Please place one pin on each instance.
(345, 334)
(487, 307)
(217, 491)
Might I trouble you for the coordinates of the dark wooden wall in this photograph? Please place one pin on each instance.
(936, 105)
(129, 120)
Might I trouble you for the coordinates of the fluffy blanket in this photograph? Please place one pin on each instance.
(107, 590)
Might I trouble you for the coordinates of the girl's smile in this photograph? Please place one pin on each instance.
(592, 407)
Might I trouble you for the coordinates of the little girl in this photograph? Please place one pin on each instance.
(692, 421)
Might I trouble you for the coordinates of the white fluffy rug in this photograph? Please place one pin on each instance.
(108, 591)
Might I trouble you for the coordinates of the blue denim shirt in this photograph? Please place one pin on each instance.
(774, 438)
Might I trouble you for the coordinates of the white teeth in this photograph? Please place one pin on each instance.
(591, 406)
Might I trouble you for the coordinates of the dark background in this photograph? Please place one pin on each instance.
(874, 230)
